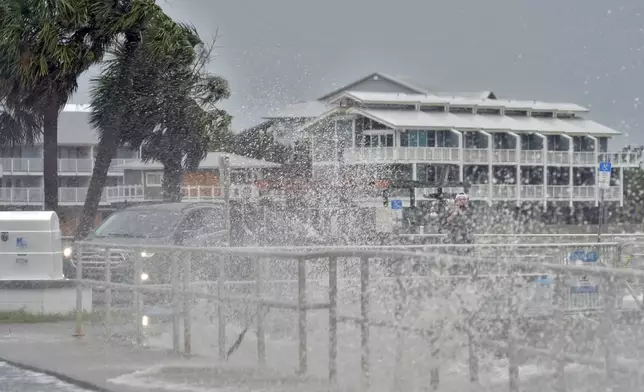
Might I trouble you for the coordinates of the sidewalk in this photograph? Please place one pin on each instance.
(95, 364)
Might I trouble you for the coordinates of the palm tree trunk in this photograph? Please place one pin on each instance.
(50, 155)
(172, 180)
(107, 148)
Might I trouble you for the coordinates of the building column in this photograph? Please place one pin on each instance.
(518, 166)
(570, 167)
(460, 153)
(596, 150)
(544, 141)
(490, 146)
(621, 186)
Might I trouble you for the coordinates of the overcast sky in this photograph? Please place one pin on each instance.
(276, 52)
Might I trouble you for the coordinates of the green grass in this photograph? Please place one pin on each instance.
(24, 317)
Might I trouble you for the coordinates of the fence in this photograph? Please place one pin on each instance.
(399, 297)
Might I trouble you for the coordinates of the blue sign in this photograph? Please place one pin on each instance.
(584, 290)
(21, 242)
(605, 167)
(582, 255)
(544, 279)
(396, 204)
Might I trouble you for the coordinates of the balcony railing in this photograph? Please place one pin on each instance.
(536, 192)
(481, 156)
(65, 166)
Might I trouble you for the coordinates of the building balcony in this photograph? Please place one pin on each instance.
(536, 193)
(482, 156)
(67, 196)
(67, 166)
(138, 193)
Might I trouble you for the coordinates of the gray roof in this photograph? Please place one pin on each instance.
(211, 162)
(310, 109)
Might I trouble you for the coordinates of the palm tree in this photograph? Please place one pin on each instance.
(161, 101)
(46, 45)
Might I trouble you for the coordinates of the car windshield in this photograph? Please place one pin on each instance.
(139, 224)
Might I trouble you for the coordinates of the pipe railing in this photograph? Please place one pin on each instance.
(510, 271)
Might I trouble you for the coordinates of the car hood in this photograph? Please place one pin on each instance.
(126, 241)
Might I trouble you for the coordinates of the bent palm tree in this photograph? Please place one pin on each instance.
(124, 100)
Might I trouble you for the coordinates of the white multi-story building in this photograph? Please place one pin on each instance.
(21, 167)
(508, 150)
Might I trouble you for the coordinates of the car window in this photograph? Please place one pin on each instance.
(204, 221)
(148, 223)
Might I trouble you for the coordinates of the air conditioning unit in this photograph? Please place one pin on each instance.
(243, 191)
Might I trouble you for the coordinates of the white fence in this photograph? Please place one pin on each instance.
(428, 293)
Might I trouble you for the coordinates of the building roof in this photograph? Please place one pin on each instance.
(438, 120)
(398, 81)
(210, 162)
(310, 109)
(430, 99)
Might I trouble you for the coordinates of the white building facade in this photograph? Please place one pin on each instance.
(508, 150)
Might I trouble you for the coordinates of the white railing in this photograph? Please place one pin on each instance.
(535, 192)
(65, 165)
(482, 156)
(138, 193)
(401, 154)
(375, 289)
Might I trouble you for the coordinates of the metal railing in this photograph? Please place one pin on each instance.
(407, 292)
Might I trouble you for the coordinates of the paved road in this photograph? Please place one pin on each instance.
(14, 379)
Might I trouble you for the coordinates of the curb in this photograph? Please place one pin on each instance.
(70, 380)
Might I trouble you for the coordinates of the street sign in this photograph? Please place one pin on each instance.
(396, 204)
(605, 169)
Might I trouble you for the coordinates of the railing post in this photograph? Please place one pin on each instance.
(398, 315)
(606, 331)
(137, 297)
(79, 294)
(221, 319)
(333, 320)
(364, 325)
(301, 311)
(108, 292)
(259, 291)
(176, 307)
(187, 299)
(558, 347)
(513, 365)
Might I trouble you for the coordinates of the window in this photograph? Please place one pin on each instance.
(516, 113)
(143, 223)
(440, 109)
(204, 221)
(418, 139)
(381, 140)
(154, 179)
(488, 111)
(542, 114)
(461, 110)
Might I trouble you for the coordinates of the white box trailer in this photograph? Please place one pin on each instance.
(30, 246)
(31, 265)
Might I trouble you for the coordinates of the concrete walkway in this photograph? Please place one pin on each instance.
(96, 364)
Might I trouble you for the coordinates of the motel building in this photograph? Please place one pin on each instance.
(515, 152)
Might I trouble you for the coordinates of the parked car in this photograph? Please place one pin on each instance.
(182, 224)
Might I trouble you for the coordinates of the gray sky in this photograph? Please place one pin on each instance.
(276, 52)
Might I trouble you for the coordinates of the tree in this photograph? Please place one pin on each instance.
(188, 122)
(159, 99)
(46, 45)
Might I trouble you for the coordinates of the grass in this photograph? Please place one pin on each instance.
(23, 317)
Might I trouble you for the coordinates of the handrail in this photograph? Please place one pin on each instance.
(431, 255)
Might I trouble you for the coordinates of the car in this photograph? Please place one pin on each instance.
(181, 224)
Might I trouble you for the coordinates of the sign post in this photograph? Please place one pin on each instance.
(603, 178)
